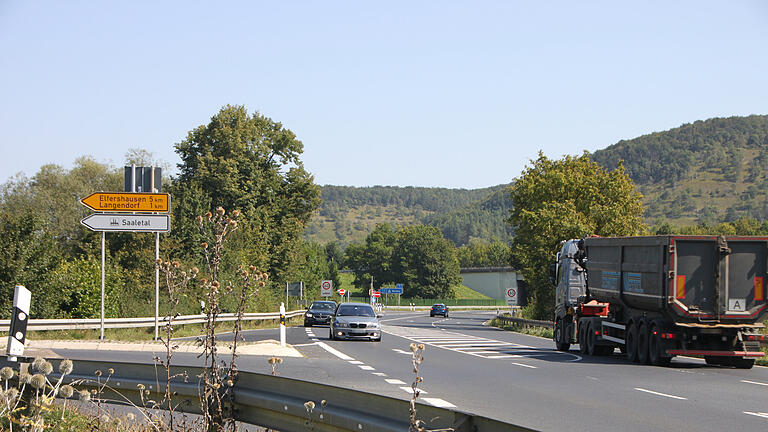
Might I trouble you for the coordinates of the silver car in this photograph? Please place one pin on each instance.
(355, 321)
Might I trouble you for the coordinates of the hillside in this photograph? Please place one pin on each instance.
(348, 213)
(707, 171)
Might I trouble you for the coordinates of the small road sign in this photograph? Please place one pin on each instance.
(127, 222)
(390, 290)
(127, 202)
(511, 297)
(326, 288)
(341, 292)
(376, 294)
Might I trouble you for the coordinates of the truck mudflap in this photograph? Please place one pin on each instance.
(750, 354)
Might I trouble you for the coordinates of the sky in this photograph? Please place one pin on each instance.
(404, 93)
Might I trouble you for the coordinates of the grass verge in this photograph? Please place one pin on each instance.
(519, 328)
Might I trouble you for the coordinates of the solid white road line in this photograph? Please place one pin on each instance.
(439, 403)
(754, 382)
(660, 394)
(503, 356)
(394, 381)
(366, 367)
(334, 351)
(758, 414)
(410, 390)
(525, 365)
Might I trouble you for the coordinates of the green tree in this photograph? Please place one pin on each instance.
(373, 258)
(556, 200)
(426, 262)
(249, 163)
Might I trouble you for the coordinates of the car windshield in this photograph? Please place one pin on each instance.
(355, 310)
(438, 306)
(323, 306)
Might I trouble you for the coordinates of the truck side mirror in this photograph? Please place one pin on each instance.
(552, 273)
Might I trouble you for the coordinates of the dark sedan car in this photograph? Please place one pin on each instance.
(320, 312)
(439, 309)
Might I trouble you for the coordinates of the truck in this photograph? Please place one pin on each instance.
(657, 297)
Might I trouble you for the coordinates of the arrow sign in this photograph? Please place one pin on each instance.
(127, 222)
(127, 202)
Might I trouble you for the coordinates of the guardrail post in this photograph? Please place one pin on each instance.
(282, 324)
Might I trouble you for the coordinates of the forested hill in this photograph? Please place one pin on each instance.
(708, 171)
(349, 213)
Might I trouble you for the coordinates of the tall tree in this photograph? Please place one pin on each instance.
(556, 200)
(426, 261)
(249, 163)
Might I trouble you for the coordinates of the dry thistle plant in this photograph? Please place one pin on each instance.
(417, 357)
(219, 377)
(177, 281)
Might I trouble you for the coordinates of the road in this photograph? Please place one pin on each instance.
(516, 378)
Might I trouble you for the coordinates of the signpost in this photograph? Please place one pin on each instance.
(127, 202)
(127, 222)
(326, 288)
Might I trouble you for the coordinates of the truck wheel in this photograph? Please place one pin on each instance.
(591, 339)
(714, 360)
(642, 343)
(656, 352)
(560, 335)
(582, 338)
(631, 342)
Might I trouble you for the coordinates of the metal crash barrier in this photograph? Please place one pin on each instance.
(276, 402)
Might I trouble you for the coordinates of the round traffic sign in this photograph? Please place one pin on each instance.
(326, 285)
(511, 293)
(376, 294)
(342, 291)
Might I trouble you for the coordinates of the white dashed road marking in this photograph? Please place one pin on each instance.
(366, 367)
(439, 403)
(410, 390)
(355, 362)
(660, 394)
(525, 365)
(758, 414)
(381, 374)
(334, 351)
(395, 381)
(754, 382)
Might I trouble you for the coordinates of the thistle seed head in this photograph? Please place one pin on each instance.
(46, 368)
(37, 381)
(6, 373)
(66, 367)
(220, 211)
(66, 391)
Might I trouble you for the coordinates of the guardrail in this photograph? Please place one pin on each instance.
(278, 403)
(526, 322)
(95, 323)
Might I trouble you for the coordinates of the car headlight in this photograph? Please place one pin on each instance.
(309, 315)
(340, 324)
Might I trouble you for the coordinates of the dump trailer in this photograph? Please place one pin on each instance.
(656, 297)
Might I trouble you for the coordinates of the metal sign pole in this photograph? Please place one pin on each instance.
(101, 333)
(157, 285)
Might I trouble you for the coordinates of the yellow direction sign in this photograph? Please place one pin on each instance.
(127, 202)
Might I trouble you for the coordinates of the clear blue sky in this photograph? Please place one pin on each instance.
(425, 93)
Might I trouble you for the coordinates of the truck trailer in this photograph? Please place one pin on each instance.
(656, 297)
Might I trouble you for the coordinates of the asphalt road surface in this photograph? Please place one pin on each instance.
(515, 378)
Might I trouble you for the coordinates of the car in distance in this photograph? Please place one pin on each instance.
(355, 321)
(319, 312)
(439, 309)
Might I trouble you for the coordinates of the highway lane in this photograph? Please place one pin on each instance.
(518, 378)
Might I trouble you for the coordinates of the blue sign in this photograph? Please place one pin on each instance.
(397, 290)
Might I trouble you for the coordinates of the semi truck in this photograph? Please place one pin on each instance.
(656, 297)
